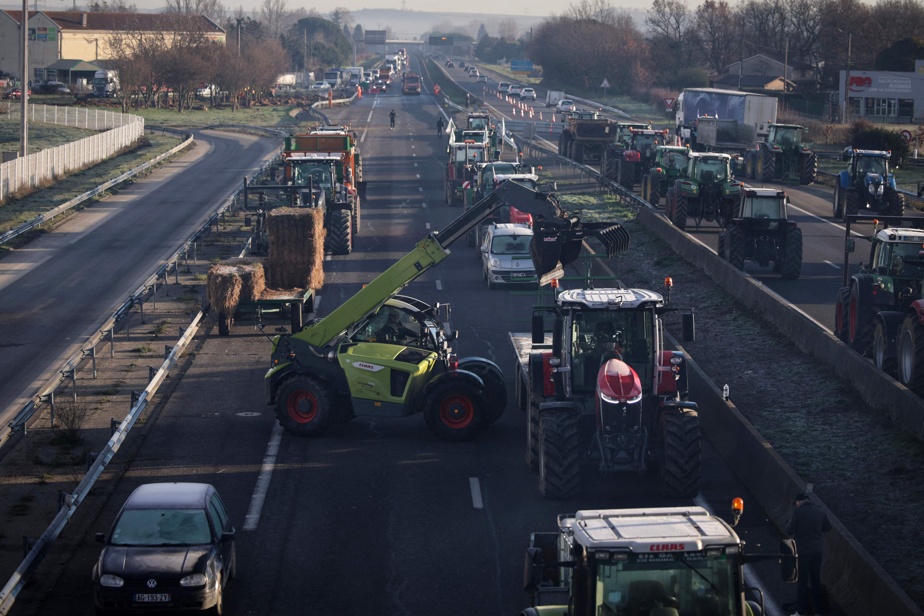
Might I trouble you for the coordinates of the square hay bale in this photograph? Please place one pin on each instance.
(253, 278)
(296, 248)
(224, 288)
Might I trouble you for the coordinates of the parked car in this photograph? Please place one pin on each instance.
(53, 87)
(502, 86)
(514, 89)
(482, 79)
(171, 547)
(505, 255)
(566, 105)
(527, 94)
(207, 91)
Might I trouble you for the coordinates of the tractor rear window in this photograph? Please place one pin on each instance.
(763, 207)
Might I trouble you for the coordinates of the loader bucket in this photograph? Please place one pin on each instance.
(558, 242)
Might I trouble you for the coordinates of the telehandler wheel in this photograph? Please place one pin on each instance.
(792, 256)
(809, 168)
(340, 234)
(680, 468)
(911, 354)
(577, 153)
(841, 314)
(495, 391)
(880, 349)
(455, 409)
(559, 454)
(303, 405)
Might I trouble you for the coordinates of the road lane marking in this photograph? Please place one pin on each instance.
(263, 480)
(475, 487)
(439, 285)
(834, 265)
(369, 117)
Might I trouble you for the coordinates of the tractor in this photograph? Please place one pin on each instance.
(707, 192)
(760, 231)
(866, 184)
(880, 309)
(670, 163)
(602, 388)
(783, 156)
(626, 160)
(584, 139)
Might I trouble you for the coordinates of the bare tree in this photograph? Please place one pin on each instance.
(592, 10)
(272, 13)
(342, 17)
(507, 29)
(668, 19)
(111, 6)
(714, 34)
(213, 9)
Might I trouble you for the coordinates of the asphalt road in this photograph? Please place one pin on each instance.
(377, 514)
(57, 291)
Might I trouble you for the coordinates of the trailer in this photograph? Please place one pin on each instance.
(739, 118)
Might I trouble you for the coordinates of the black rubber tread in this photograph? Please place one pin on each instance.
(766, 166)
(577, 153)
(840, 313)
(532, 436)
(680, 468)
(626, 175)
(880, 348)
(460, 390)
(357, 216)
(669, 203)
(646, 189)
(340, 234)
(495, 392)
(303, 385)
(750, 165)
(861, 320)
(720, 250)
(838, 201)
(680, 211)
(851, 203)
(559, 454)
(792, 254)
(911, 354)
(734, 247)
(809, 168)
(654, 194)
(895, 203)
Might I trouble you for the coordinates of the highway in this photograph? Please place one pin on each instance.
(377, 514)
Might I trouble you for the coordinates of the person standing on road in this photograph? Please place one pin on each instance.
(807, 525)
(391, 118)
(439, 127)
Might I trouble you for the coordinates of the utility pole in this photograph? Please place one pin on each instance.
(240, 20)
(24, 99)
(847, 78)
(785, 71)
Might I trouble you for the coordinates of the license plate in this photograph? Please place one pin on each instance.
(521, 275)
(152, 598)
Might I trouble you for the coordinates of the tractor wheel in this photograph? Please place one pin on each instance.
(838, 202)
(749, 166)
(669, 203)
(880, 349)
(626, 179)
(911, 354)
(577, 155)
(303, 405)
(532, 436)
(340, 234)
(495, 391)
(841, 314)
(224, 324)
(720, 251)
(809, 168)
(454, 409)
(895, 203)
(559, 454)
(680, 468)
(646, 188)
(734, 247)
(766, 166)
(792, 254)
(851, 203)
(680, 211)
(357, 216)
(654, 195)
(860, 320)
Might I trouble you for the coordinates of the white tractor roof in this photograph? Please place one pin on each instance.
(609, 298)
(670, 529)
(901, 235)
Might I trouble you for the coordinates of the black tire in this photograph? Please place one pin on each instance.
(851, 203)
(357, 216)
(841, 313)
(303, 405)
(809, 168)
(734, 247)
(749, 165)
(654, 195)
(766, 166)
(532, 436)
(880, 349)
(455, 408)
(720, 250)
(577, 154)
(838, 201)
(646, 188)
(680, 467)
(559, 454)
(626, 175)
(911, 354)
(495, 391)
(860, 323)
(224, 324)
(895, 203)
(681, 205)
(792, 254)
(340, 234)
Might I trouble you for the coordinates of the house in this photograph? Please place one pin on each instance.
(802, 76)
(80, 36)
(752, 83)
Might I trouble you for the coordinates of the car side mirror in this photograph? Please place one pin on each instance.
(228, 535)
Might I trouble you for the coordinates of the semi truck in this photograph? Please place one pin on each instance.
(411, 84)
(740, 119)
(106, 84)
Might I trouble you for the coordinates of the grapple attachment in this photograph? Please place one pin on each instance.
(557, 242)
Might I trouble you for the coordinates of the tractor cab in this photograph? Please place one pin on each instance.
(765, 205)
(710, 169)
(785, 135)
(317, 172)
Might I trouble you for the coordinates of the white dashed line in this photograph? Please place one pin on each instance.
(475, 487)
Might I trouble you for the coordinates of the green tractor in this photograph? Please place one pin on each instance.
(760, 231)
(783, 156)
(670, 164)
(382, 354)
(866, 184)
(707, 192)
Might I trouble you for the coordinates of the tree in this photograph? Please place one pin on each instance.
(900, 56)
(482, 32)
(714, 34)
(507, 29)
(272, 13)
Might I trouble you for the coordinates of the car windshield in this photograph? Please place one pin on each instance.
(154, 527)
(510, 245)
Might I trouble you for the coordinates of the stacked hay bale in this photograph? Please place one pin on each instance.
(296, 248)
